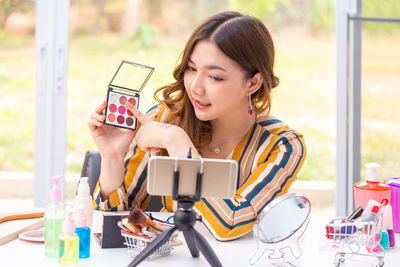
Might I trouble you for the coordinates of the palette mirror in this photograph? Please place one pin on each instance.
(126, 85)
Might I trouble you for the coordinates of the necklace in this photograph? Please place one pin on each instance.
(217, 148)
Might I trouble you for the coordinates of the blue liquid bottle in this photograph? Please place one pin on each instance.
(83, 231)
(53, 219)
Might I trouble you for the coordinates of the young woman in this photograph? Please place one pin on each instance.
(219, 106)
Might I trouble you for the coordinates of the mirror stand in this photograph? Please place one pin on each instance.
(277, 255)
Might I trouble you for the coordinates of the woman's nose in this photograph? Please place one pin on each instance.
(197, 85)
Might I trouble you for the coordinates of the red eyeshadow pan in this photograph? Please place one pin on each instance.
(122, 100)
(120, 119)
(133, 101)
(112, 108)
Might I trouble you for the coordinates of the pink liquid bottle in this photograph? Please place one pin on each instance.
(371, 188)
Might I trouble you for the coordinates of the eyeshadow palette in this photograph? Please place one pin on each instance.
(117, 113)
(125, 86)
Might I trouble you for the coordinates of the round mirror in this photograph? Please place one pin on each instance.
(282, 217)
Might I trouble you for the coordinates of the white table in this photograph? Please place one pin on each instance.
(316, 251)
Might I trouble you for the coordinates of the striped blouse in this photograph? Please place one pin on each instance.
(269, 157)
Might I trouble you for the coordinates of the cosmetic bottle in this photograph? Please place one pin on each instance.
(384, 239)
(392, 238)
(53, 219)
(83, 233)
(366, 222)
(383, 230)
(371, 188)
(83, 199)
(68, 253)
(369, 217)
(388, 225)
(382, 225)
(371, 203)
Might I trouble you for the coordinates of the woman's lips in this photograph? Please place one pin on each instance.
(200, 105)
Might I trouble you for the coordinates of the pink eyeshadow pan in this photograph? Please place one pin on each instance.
(121, 110)
(122, 100)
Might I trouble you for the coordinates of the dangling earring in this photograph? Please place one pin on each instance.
(250, 111)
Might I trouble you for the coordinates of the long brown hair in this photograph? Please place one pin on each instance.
(242, 38)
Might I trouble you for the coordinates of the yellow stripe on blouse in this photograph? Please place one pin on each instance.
(269, 159)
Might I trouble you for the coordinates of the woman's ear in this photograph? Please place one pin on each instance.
(255, 83)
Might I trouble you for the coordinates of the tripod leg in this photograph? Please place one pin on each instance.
(191, 242)
(153, 246)
(206, 249)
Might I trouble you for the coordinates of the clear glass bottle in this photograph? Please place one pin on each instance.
(68, 253)
(53, 219)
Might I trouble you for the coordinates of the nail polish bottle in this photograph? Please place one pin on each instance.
(388, 224)
(392, 240)
(384, 239)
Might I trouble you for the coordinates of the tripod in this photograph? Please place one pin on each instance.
(184, 219)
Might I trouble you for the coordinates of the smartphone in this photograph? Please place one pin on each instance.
(219, 176)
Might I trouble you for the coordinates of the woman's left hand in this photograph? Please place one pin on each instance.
(153, 135)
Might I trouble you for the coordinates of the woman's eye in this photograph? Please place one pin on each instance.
(190, 68)
(217, 79)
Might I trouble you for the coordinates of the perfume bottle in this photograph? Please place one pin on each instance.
(68, 253)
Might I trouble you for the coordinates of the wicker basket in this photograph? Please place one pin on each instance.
(136, 243)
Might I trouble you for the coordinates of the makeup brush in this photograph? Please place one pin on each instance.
(138, 217)
(131, 227)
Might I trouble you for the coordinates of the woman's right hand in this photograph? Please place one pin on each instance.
(111, 141)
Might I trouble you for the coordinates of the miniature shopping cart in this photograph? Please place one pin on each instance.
(136, 243)
(356, 240)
